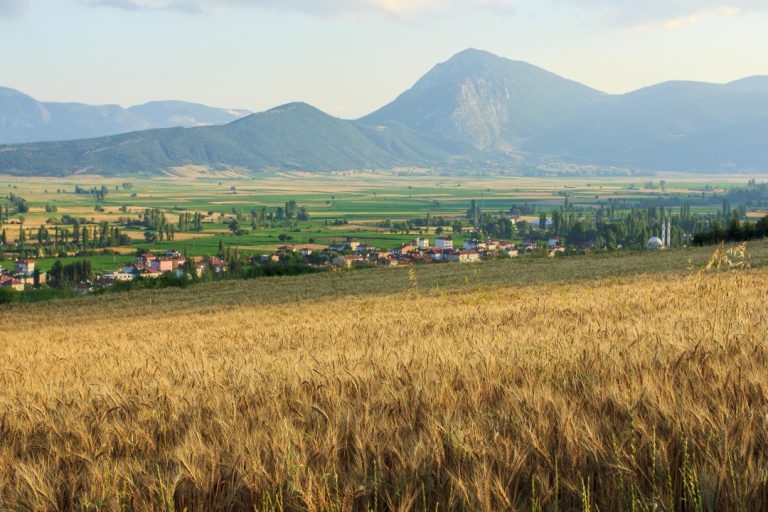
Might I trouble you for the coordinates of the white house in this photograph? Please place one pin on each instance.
(25, 267)
(444, 243)
(422, 243)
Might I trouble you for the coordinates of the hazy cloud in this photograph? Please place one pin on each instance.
(672, 13)
(329, 8)
(9, 8)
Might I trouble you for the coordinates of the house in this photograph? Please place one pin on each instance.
(162, 264)
(444, 243)
(390, 261)
(352, 245)
(218, 265)
(422, 243)
(436, 254)
(145, 259)
(345, 261)
(405, 249)
(7, 281)
(152, 273)
(173, 254)
(375, 257)
(511, 252)
(25, 267)
(197, 269)
(305, 251)
(286, 248)
(270, 258)
(30, 279)
(471, 245)
(554, 242)
(463, 256)
(365, 248)
(84, 288)
(133, 269)
(491, 245)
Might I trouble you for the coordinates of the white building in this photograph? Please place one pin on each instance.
(423, 243)
(444, 243)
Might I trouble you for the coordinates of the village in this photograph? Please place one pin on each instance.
(348, 254)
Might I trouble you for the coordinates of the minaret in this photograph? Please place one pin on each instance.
(669, 232)
(663, 231)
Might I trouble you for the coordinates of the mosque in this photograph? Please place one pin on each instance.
(656, 243)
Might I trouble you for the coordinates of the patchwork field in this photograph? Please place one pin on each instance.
(578, 384)
(356, 201)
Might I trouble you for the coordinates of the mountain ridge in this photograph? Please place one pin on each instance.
(25, 119)
(475, 110)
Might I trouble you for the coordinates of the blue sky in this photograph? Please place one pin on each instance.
(349, 57)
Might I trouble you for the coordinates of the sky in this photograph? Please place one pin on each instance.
(349, 57)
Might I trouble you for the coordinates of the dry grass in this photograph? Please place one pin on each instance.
(630, 394)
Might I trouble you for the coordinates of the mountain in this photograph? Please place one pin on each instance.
(484, 101)
(293, 136)
(168, 114)
(473, 110)
(25, 119)
(684, 126)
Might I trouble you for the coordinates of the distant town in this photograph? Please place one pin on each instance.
(25, 273)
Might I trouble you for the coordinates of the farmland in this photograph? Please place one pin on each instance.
(340, 205)
(580, 383)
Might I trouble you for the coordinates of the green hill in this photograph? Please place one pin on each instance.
(294, 136)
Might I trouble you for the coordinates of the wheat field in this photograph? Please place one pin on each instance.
(636, 393)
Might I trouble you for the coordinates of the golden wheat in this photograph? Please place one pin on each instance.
(645, 393)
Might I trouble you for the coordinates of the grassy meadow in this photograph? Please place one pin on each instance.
(632, 382)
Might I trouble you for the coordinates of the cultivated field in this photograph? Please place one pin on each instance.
(576, 384)
(362, 200)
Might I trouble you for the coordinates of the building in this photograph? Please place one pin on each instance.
(162, 265)
(405, 249)
(365, 248)
(436, 254)
(25, 267)
(655, 244)
(151, 273)
(422, 243)
(306, 251)
(145, 259)
(218, 265)
(345, 261)
(84, 288)
(553, 242)
(12, 283)
(463, 256)
(352, 245)
(444, 243)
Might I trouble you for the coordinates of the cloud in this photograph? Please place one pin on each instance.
(12, 8)
(669, 13)
(324, 8)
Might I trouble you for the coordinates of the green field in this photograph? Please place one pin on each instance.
(359, 200)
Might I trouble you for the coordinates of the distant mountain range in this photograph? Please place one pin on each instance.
(474, 110)
(25, 119)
